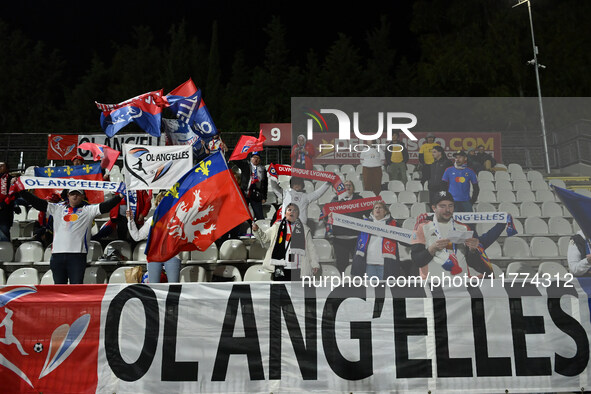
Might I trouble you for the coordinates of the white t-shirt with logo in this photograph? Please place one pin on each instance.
(71, 227)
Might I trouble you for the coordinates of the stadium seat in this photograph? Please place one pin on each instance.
(485, 207)
(543, 247)
(29, 252)
(122, 247)
(530, 209)
(210, 255)
(256, 253)
(256, 273)
(325, 198)
(347, 272)
(314, 211)
(347, 168)
(514, 167)
(519, 267)
(494, 250)
(95, 275)
(510, 208)
(2, 277)
(318, 167)
(502, 176)
(23, 276)
(226, 273)
(6, 251)
(324, 250)
(118, 276)
(517, 176)
(47, 278)
(193, 273)
(95, 251)
(407, 197)
(563, 243)
(367, 194)
(533, 175)
(539, 184)
(233, 251)
(557, 182)
(553, 268)
(503, 185)
(396, 186)
(332, 168)
(385, 177)
(22, 216)
(551, 208)
(559, 225)
(504, 196)
(418, 208)
(521, 184)
(33, 214)
(518, 227)
(534, 225)
(487, 196)
(409, 223)
(329, 270)
(399, 210)
(497, 271)
(485, 176)
(404, 252)
(138, 251)
(516, 247)
(388, 196)
(264, 224)
(487, 185)
(525, 195)
(544, 195)
(414, 186)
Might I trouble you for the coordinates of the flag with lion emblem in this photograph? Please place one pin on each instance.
(201, 207)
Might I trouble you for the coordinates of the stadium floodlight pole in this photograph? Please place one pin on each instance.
(534, 62)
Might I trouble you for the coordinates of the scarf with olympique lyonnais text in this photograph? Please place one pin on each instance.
(294, 240)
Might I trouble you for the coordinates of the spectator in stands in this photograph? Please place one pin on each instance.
(579, 255)
(440, 164)
(117, 217)
(343, 241)
(426, 157)
(372, 161)
(396, 161)
(458, 178)
(473, 163)
(254, 183)
(7, 206)
(374, 255)
(290, 249)
(303, 153)
(215, 145)
(486, 160)
(72, 222)
(172, 266)
(431, 245)
(297, 195)
(77, 160)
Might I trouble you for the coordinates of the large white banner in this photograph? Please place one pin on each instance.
(155, 167)
(281, 337)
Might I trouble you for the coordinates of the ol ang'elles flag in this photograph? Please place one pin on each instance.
(155, 167)
(91, 172)
(186, 103)
(145, 110)
(201, 207)
(578, 205)
(107, 156)
(247, 144)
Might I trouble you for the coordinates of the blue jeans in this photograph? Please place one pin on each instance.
(172, 267)
(375, 270)
(5, 233)
(66, 266)
(463, 206)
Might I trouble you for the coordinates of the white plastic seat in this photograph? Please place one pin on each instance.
(396, 186)
(233, 250)
(535, 226)
(324, 250)
(510, 208)
(118, 276)
(227, 273)
(503, 185)
(494, 250)
(485, 176)
(487, 185)
(525, 195)
(516, 247)
(20, 217)
(504, 196)
(519, 267)
(263, 224)
(543, 247)
(367, 194)
(485, 207)
(514, 167)
(418, 208)
(121, 246)
(6, 251)
(29, 252)
(332, 168)
(47, 278)
(409, 223)
(539, 184)
(487, 196)
(515, 176)
(314, 211)
(209, 255)
(533, 175)
(347, 168)
(193, 273)
(544, 195)
(502, 176)
(530, 209)
(497, 271)
(385, 177)
(138, 251)
(553, 268)
(329, 270)
(407, 197)
(551, 208)
(559, 225)
(33, 214)
(521, 184)
(23, 276)
(256, 273)
(563, 243)
(388, 196)
(347, 272)
(95, 251)
(414, 186)
(95, 275)
(2, 277)
(256, 252)
(557, 182)
(399, 210)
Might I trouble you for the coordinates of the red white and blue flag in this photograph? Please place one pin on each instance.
(247, 144)
(107, 156)
(201, 207)
(145, 110)
(186, 103)
(91, 172)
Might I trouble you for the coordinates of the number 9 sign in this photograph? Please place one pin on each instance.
(277, 134)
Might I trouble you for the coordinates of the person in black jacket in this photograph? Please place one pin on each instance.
(397, 159)
(254, 182)
(438, 167)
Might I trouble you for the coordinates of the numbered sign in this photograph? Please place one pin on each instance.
(277, 134)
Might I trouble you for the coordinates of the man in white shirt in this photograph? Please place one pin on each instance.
(579, 255)
(297, 195)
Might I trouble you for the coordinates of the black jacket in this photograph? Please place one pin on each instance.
(437, 169)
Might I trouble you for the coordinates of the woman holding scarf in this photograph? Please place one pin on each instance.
(291, 253)
(377, 256)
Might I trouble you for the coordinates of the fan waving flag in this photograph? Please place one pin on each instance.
(108, 156)
(186, 103)
(247, 144)
(201, 207)
(90, 172)
(145, 110)
(578, 205)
